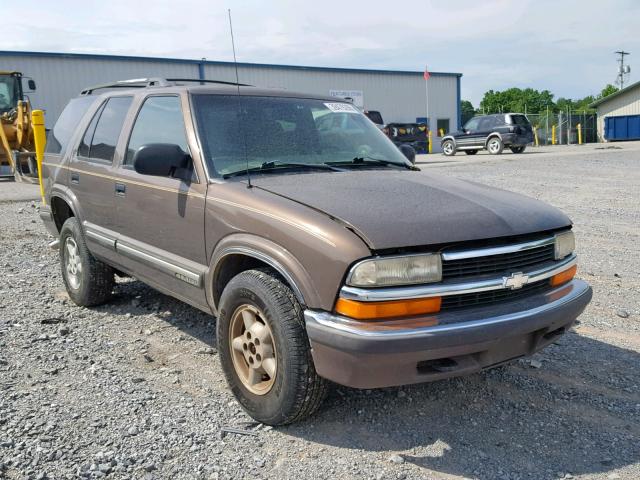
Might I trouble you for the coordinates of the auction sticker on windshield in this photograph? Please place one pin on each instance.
(341, 107)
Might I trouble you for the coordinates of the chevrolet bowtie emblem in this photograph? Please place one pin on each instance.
(515, 281)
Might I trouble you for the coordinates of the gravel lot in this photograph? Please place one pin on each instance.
(134, 389)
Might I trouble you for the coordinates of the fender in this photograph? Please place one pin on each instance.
(448, 137)
(268, 252)
(492, 134)
(66, 194)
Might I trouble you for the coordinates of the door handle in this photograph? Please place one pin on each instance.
(75, 177)
(121, 189)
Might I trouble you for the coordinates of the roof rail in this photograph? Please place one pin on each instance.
(154, 82)
(131, 83)
(201, 81)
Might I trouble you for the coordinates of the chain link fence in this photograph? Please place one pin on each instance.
(563, 128)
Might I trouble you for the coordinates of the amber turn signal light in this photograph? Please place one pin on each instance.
(563, 277)
(389, 309)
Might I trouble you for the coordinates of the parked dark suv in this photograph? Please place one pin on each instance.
(325, 255)
(490, 132)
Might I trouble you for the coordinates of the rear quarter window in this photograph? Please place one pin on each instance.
(59, 137)
(519, 120)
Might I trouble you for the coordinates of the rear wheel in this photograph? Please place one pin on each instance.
(264, 349)
(471, 152)
(88, 281)
(448, 148)
(519, 149)
(495, 146)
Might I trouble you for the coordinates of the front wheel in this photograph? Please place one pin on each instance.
(518, 149)
(495, 146)
(264, 349)
(448, 148)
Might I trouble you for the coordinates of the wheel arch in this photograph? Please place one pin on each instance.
(62, 208)
(490, 136)
(239, 252)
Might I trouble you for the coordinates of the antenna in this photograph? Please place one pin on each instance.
(621, 70)
(235, 64)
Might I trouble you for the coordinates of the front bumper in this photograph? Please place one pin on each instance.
(372, 355)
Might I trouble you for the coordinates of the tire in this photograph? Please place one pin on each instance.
(518, 149)
(495, 145)
(448, 148)
(88, 281)
(294, 391)
(471, 152)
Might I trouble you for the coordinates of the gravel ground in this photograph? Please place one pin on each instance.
(134, 389)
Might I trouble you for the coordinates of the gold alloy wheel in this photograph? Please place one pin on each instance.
(253, 350)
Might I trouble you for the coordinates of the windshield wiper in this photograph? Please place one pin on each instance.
(364, 160)
(275, 165)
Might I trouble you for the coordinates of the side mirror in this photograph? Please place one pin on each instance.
(31, 84)
(409, 152)
(161, 160)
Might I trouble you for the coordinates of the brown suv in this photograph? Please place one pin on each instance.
(322, 251)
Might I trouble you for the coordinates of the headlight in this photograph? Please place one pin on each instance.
(409, 270)
(565, 244)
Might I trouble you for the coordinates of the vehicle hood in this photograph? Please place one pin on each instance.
(393, 209)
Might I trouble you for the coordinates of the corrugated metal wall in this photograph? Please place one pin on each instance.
(400, 97)
(627, 103)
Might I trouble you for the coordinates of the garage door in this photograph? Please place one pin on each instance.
(625, 127)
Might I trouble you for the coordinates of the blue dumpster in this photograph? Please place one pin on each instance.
(623, 127)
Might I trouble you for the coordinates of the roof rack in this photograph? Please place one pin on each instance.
(155, 82)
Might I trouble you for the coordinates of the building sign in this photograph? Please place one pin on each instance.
(356, 96)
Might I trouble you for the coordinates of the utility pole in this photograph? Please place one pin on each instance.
(621, 71)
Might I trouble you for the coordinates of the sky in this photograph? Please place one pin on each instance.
(563, 46)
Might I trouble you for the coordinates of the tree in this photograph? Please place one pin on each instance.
(467, 111)
(608, 90)
(516, 100)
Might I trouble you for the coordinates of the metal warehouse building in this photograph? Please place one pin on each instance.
(619, 114)
(399, 95)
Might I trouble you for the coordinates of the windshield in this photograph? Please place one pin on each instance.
(236, 131)
(8, 93)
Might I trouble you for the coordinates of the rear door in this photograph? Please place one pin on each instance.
(160, 220)
(91, 175)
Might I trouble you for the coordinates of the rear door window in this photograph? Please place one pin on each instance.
(160, 120)
(108, 128)
(85, 144)
(63, 130)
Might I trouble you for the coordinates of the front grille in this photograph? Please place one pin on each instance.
(493, 296)
(503, 263)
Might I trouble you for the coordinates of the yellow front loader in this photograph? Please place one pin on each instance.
(17, 149)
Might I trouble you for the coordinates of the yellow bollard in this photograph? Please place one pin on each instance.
(553, 135)
(442, 132)
(535, 135)
(430, 142)
(579, 127)
(40, 139)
